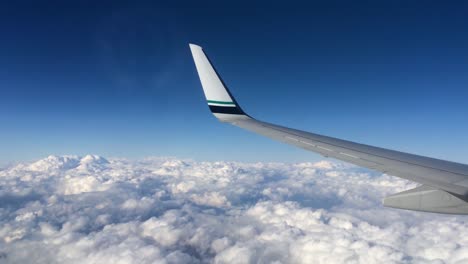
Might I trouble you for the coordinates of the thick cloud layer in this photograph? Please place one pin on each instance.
(91, 210)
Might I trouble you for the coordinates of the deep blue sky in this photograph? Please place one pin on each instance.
(117, 79)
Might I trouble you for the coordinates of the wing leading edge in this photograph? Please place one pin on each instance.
(440, 176)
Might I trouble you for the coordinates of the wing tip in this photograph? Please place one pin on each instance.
(220, 100)
(195, 46)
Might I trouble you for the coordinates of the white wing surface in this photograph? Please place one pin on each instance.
(445, 183)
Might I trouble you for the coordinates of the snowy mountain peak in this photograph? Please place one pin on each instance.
(55, 163)
(93, 159)
(67, 162)
(92, 163)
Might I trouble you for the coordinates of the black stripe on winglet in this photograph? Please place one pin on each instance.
(226, 110)
(220, 109)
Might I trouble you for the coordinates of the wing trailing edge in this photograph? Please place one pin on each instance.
(427, 199)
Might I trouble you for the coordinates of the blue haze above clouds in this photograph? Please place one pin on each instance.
(117, 79)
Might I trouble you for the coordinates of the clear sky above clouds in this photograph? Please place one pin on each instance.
(117, 79)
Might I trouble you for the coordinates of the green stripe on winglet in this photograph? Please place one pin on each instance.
(220, 102)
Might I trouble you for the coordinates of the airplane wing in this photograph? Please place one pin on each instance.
(444, 184)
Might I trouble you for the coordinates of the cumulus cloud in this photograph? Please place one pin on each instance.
(72, 209)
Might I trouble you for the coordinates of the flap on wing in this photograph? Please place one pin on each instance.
(427, 199)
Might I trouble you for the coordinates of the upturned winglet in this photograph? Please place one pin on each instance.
(220, 101)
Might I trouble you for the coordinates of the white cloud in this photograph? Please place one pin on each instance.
(214, 199)
(89, 209)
